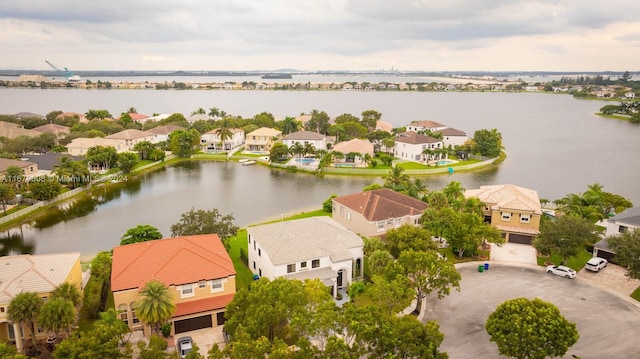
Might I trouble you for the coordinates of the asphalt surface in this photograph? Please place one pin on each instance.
(608, 323)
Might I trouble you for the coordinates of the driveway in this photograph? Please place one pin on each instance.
(513, 253)
(204, 338)
(607, 323)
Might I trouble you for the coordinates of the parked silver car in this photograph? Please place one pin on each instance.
(185, 344)
(562, 271)
(595, 264)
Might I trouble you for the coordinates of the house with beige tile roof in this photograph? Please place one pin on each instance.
(39, 274)
(12, 131)
(373, 213)
(411, 146)
(129, 138)
(355, 145)
(28, 168)
(197, 269)
(80, 116)
(161, 133)
(515, 211)
(383, 126)
(309, 248)
(419, 126)
(262, 139)
(58, 130)
(211, 140)
(318, 141)
(453, 137)
(79, 146)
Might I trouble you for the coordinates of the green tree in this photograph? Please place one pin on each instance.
(183, 142)
(44, 188)
(155, 349)
(289, 125)
(224, 133)
(278, 151)
(140, 233)
(102, 156)
(327, 205)
(144, 149)
(6, 194)
(97, 114)
(405, 337)
(408, 237)
(14, 176)
(126, 161)
(566, 236)
(8, 351)
(530, 329)
(488, 142)
(627, 248)
(24, 309)
(56, 315)
(319, 122)
(204, 222)
(397, 180)
(156, 305)
(68, 291)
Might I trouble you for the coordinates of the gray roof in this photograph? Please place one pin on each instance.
(603, 245)
(630, 216)
(304, 135)
(48, 161)
(305, 239)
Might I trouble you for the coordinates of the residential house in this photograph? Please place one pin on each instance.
(138, 117)
(411, 146)
(318, 141)
(514, 210)
(39, 274)
(11, 131)
(129, 138)
(355, 146)
(22, 115)
(58, 130)
(373, 213)
(29, 168)
(627, 220)
(199, 116)
(161, 134)
(80, 116)
(262, 139)
(420, 126)
(309, 248)
(79, 146)
(453, 137)
(211, 140)
(197, 270)
(47, 162)
(383, 126)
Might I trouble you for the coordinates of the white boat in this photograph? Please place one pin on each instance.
(248, 163)
(244, 160)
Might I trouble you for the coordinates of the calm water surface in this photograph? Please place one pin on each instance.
(555, 144)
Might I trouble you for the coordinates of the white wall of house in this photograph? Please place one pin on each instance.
(211, 140)
(413, 152)
(454, 140)
(317, 144)
(356, 222)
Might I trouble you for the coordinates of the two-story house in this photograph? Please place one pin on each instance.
(211, 140)
(373, 213)
(318, 141)
(453, 137)
(39, 274)
(514, 210)
(161, 133)
(411, 146)
(262, 139)
(309, 248)
(197, 270)
(420, 126)
(29, 169)
(625, 221)
(129, 138)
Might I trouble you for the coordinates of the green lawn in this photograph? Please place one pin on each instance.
(636, 294)
(576, 263)
(244, 276)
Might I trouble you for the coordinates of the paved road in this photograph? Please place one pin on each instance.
(609, 325)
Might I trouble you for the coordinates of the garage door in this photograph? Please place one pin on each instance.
(187, 325)
(519, 238)
(606, 255)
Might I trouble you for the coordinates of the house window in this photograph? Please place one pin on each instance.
(134, 317)
(122, 313)
(260, 272)
(259, 252)
(525, 218)
(622, 229)
(186, 291)
(389, 222)
(341, 211)
(380, 226)
(291, 268)
(216, 285)
(398, 222)
(1, 309)
(506, 216)
(202, 284)
(315, 263)
(303, 265)
(254, 245)
(254, 264)
(348, 215)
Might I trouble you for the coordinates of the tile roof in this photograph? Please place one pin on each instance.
(305, 239)
(174, 261)
(202, 305)
(265, 131)
(384, 126)
(415, 138)
(129, 134)
(34, 273)
(450, 131)
(354, 145)
(304, 135)
(427, 124)
(6, 162)
(165, 130)
(382, 204)
(12, 130)
(507, 196)
(52, 128)
(83, 142)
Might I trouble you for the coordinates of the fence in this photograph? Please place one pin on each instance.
(25, 211)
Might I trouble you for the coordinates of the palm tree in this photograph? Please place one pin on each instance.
(56, 315)
(214, 112)
(68, 291)
(224, 133)
(297, 149)
(289, 125)
(6, 194)
(24, 309)
(309, 148)
(156, 305)
(454, 192)
(396, 179)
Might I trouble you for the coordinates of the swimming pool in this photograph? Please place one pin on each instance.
(339, 165)
(305, 161)
(446, 162)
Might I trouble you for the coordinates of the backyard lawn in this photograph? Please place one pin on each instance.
(576, 263)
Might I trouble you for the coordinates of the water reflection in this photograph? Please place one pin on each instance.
(12, 242)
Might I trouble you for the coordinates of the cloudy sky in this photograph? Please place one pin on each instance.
(429, 35)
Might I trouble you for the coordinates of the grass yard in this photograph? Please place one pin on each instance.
(244, 276)
(636, 294)
(576, 263)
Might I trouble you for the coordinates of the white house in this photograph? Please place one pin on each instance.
(410, 146)
(211, 140)
(453, 137)
(419, 126)
(129, 138)
(318, 141)
(79, 146)
(161, 134)
(626, 220)
(309, 248)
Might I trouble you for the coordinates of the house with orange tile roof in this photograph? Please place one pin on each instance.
(308, 248)
(197, 270)
(515, 211)
(39, 274)
(373, 213)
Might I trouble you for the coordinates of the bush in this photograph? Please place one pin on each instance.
(327, 205)
(165, 329)
(243, 256)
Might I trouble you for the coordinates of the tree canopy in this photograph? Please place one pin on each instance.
(566, 236)
(156, 305)
(140, 233)
(530, 329)
(204, 222)
(627, 248)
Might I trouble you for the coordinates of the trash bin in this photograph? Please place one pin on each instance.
(486, 266)
(481, 268)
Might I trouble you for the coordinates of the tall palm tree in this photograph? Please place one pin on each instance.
(297, 149)
(68, 291)
(289, 125)
(24, 309)
(309, 148)
(156, 305)
(224, 133)
(396, 179)
(6, 194)
(454, 192)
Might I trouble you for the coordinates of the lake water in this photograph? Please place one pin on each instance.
(555, 145)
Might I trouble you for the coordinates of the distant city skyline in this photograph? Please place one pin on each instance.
(332, 35)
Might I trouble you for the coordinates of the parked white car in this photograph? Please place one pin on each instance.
(185, 344)
(562, 271)
(440, 241)
(595, 264)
